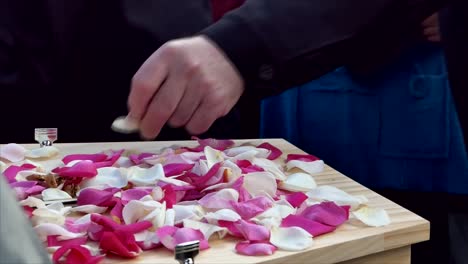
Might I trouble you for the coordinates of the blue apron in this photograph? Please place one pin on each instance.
(397, 129)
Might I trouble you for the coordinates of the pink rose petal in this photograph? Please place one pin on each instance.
(119, 243)
(116, 211)
(275, 152)
(92, 157)
(238, 185)
(302, 157)
(252, 232)
(176, 168)
(95, 196)
(53, 241)
(314, 228)
(231, 227)
(134, 194)
(327, 213)
(255, 249)
(252, 207)
(24, 189)
(84, 169)
(170, 236)
(76, 254)
(110, 160)
(296, 199)
(11, 171)
(170, 196)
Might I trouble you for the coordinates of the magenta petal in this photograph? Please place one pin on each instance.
(176, 168)
(302, 157)
(52, 241)
(94, 196)
(92, 157)
(243, 163)
(170, 196)
(252, 232)
(117, 210)
(23, 184)
(25, 188)
(134, 194)
(184, 234)
(165, 234)
(34, 190)
(327, 213)
(313, 227)
(275, 152)
(252, 207)
(11, 171)
(238, 185)
(231, 227)
(200, 181)
(255, 249)
(109, 162)
(85, 169)
(296, 199)
(71, 226)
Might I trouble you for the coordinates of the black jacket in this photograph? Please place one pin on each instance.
(68, 64)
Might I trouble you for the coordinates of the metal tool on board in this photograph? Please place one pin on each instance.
(186, 252)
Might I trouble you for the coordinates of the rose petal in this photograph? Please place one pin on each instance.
(53, 241)
(215, 143)
(207, 229)
(106, 177)
(290, 238)
(89, 209)
(11, 172)
(84, 168)
(301, 157)
(253, 232)
(176, 168)
(313, 227)
(260, 181)
(220, 199)
(231, 227)
(232, 152)
(44, 152)
(171, 236)
(333, 194)
(144, 177)
(33, 202)
(134, 194)
(148, 210)
(90, 157)
(125, 125)
(182, 212)
(213, 156)
(139, 158)
(223, 214)
(296, 199)
(48, 229)
(96, 196)
(275, 152)
(372, 216)
(53, 194)
(76, 254)
(252, 207)
(307, 166)
(79, 225)
(327, 213)
(120, 243)
(271, 167)
(12, 152)
(298, 182)
(255, 249)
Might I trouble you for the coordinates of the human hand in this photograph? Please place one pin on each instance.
(431, 29)
(187, 82)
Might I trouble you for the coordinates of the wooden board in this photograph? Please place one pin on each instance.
(349, 241)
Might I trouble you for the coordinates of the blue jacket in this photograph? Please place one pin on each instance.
(397, 129)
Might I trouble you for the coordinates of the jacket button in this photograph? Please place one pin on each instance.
(266, 72)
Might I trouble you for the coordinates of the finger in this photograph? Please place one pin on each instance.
(145, 84)
(434, 38)
(205, 115)
(162, 106)
(189, 103)
(431, 21)
(431, 31)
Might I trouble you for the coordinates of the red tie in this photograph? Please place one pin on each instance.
(221, 7)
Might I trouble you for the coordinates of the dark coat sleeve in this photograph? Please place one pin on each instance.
(277, 43)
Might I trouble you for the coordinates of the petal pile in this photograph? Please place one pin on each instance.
(132, 202)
